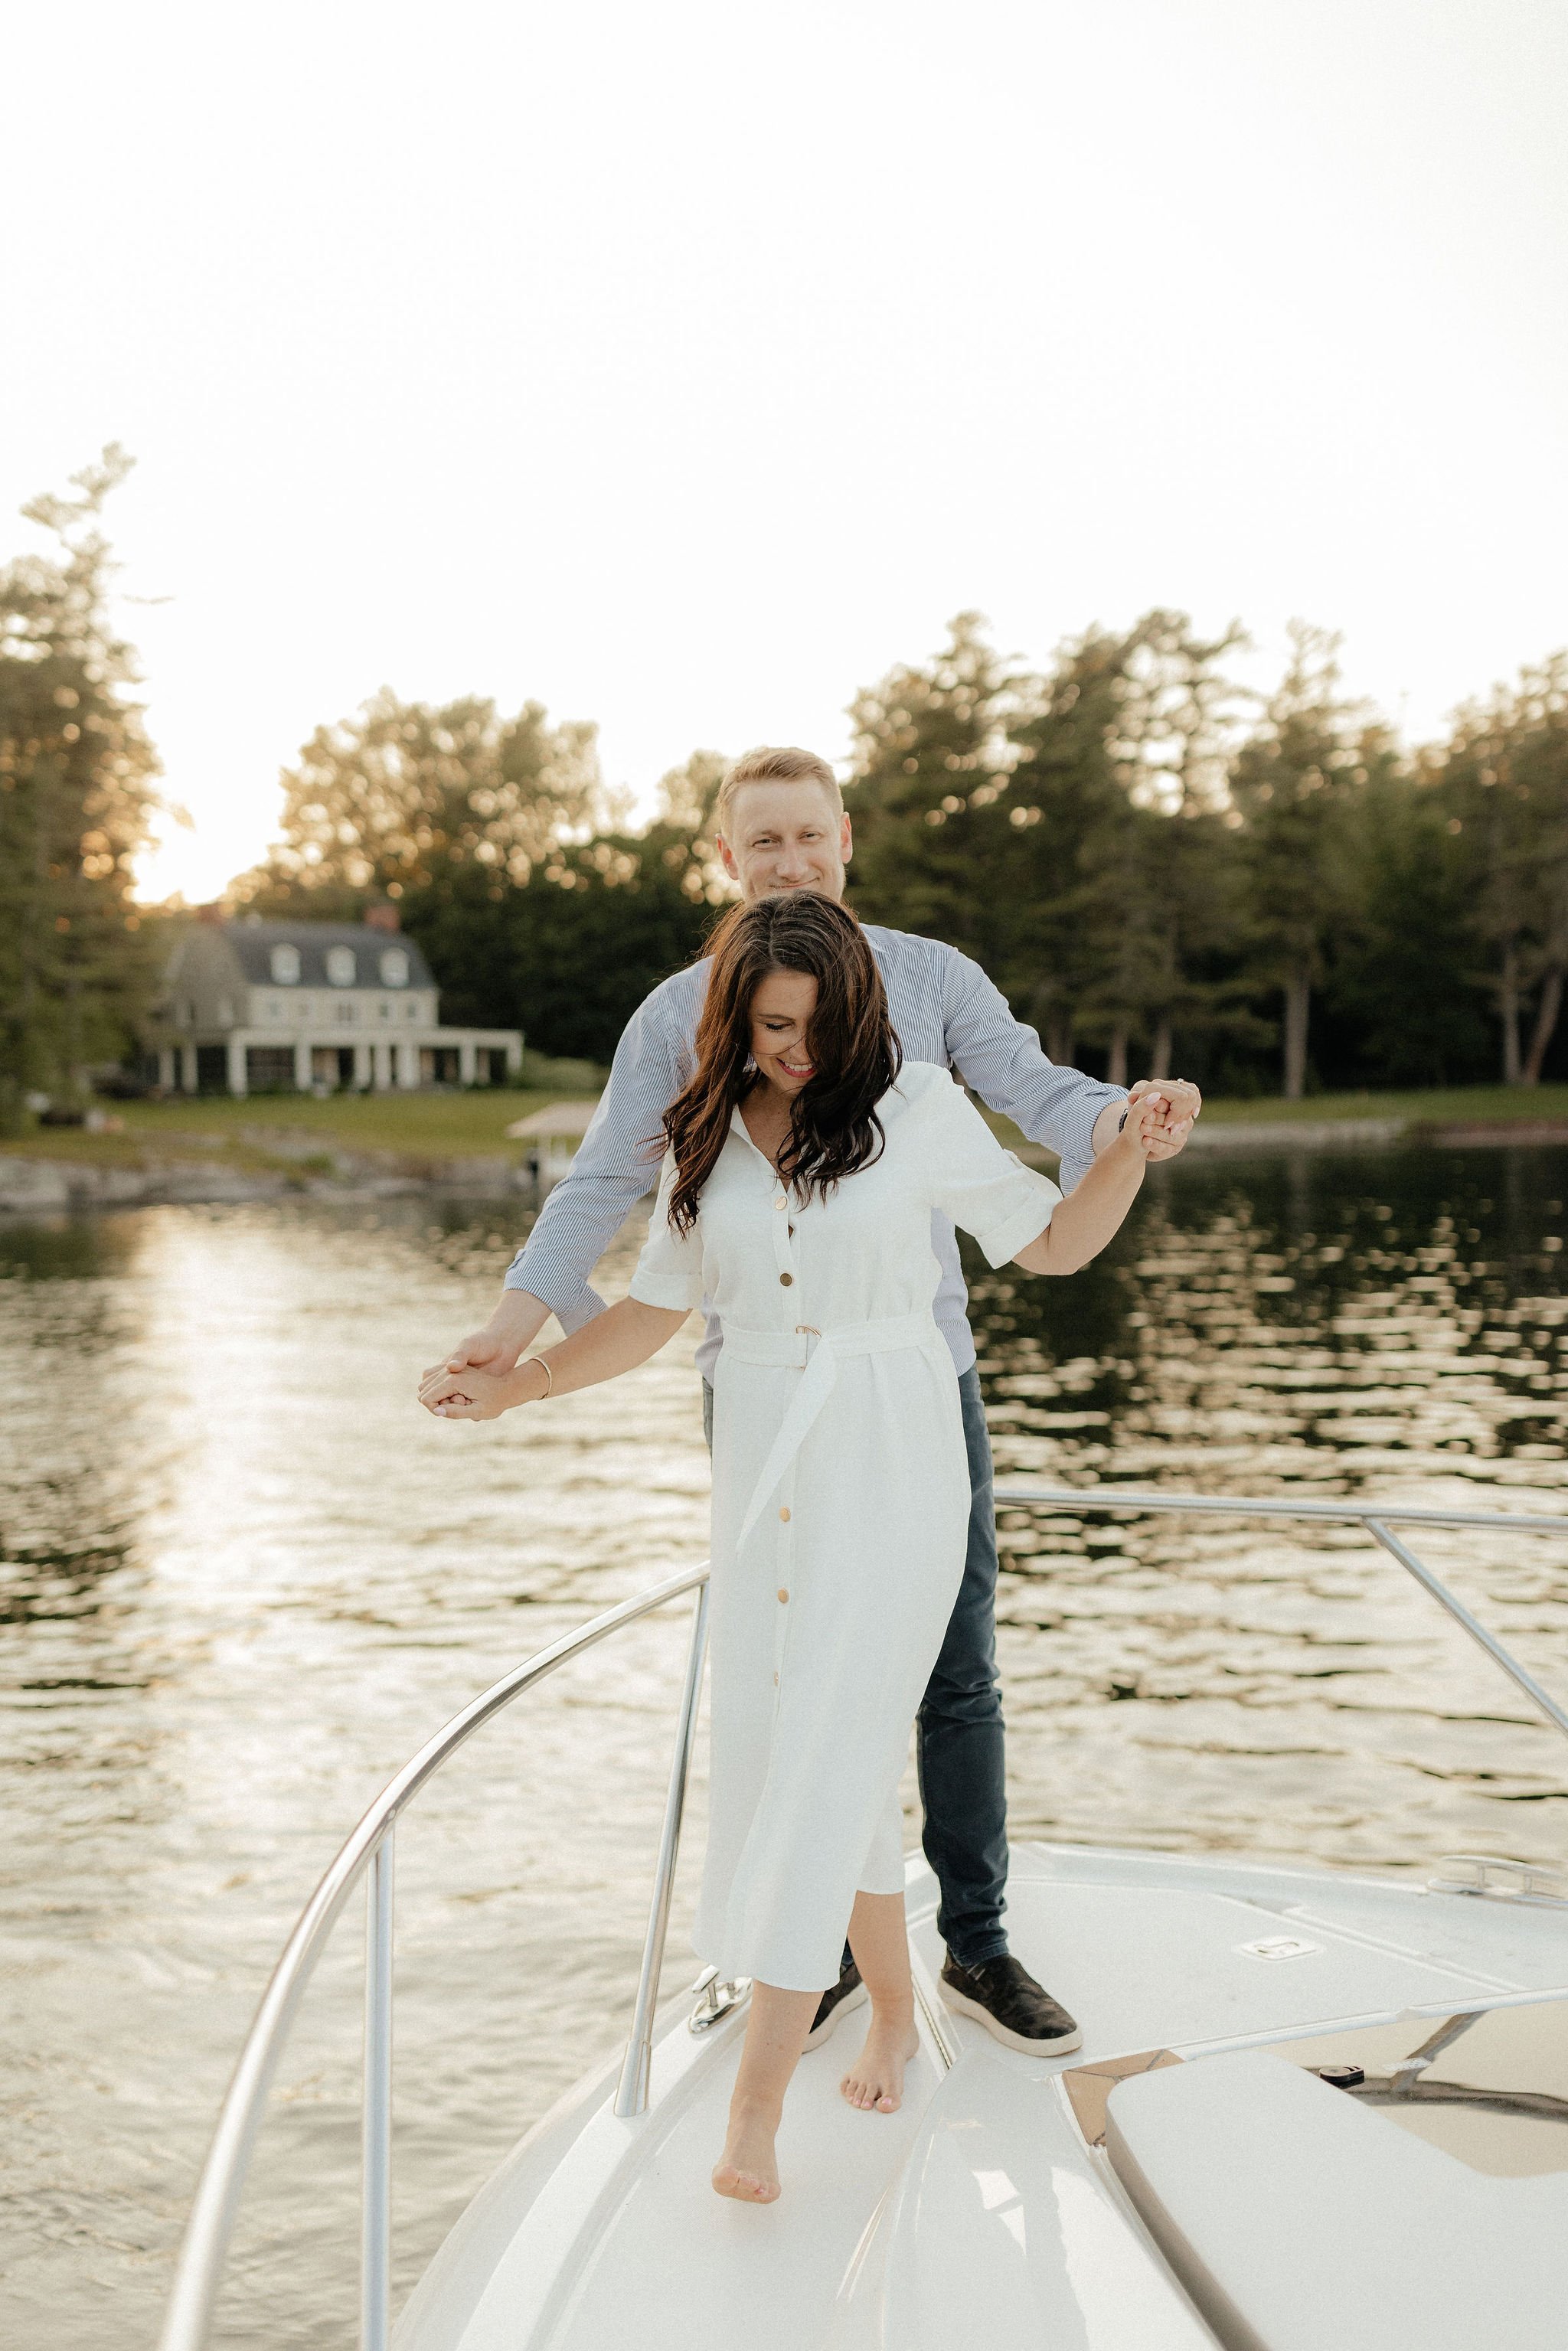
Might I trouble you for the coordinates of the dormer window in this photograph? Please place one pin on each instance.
(340, 966)
(394, 967)
(285, 962)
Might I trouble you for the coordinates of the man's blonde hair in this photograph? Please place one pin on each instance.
(772, 765)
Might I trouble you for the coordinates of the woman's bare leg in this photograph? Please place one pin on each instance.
(881, 1946)
(774, 2033)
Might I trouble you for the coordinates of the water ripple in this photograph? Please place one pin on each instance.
(241, 1577)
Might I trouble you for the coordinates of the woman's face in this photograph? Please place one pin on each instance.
(781, 1013)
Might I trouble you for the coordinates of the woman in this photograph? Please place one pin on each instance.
(802, 1170)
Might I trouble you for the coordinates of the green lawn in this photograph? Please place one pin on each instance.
(418, 1126)
(1438, 1106)
(269, 1130)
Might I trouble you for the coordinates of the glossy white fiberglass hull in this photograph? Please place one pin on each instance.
(989, 2210)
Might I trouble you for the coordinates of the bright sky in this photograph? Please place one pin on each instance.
(686, 366)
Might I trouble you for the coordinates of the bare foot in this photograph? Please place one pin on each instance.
(875, 2081)
(748, 2170)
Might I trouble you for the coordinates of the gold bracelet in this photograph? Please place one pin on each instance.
(549, 1378)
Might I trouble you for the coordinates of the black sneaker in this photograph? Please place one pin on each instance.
(836, 2001)
(1003, 1996)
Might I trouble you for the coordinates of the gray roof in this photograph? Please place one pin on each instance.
(253, 944)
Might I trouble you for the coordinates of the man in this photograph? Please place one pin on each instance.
(782, 827)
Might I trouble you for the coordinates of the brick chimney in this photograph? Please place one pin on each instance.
(382, 918)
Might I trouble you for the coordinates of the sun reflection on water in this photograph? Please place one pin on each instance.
(243, 1577)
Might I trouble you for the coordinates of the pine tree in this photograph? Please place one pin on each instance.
(1133, 863)
(1295, 782)
(1504, 777)
(76, 799)
(1066, 803)
(931, 763)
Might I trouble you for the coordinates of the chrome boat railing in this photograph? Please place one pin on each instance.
(1373, 1517)
(370, 1848)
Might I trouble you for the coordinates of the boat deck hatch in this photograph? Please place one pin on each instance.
(1296, 2215)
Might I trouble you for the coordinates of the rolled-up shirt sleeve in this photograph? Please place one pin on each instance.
(1001, 1059)
(669, 1269)
(616, 1164)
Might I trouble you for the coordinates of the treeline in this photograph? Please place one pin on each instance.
(1162, 869)
(1265, 892)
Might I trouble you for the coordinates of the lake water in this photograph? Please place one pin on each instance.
(243, 1577)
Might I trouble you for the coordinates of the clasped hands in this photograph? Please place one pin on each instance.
(1182, 1102)
(466, 1392)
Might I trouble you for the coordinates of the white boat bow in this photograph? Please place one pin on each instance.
(1312, 2111)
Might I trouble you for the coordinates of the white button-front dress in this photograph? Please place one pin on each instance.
(840, 1506)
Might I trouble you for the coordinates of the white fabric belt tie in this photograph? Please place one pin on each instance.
(817, 1354)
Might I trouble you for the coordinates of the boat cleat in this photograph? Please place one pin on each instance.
(719, 1996)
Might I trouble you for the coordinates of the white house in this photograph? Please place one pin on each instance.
(249, 1005)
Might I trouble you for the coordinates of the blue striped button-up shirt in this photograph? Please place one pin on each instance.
(943, 1009)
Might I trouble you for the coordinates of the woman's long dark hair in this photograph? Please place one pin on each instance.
(834, 1128)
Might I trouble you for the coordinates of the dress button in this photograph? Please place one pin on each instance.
(780, 1202)
(786, 1278)
(783, 1594)
(775, 1681)
(784, 1514)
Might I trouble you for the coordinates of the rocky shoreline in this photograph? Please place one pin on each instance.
(39, 1187)
(1368, 1135)
(1273, 1136)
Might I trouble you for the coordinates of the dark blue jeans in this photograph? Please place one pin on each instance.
(958, 1730)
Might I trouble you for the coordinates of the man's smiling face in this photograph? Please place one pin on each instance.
(785, 837)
